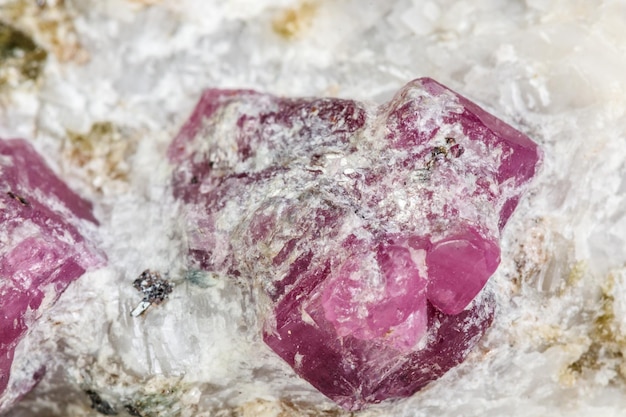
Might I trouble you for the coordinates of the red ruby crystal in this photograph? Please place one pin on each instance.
(371, 230)
(42, 250)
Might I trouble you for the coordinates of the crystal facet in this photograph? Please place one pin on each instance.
(42, 250)
(370, 231)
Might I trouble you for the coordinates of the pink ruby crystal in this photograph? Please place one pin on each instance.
(42, 250)
(370, 231)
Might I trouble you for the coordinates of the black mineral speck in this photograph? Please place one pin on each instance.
(98, 404)
(154, 288)
(130, 409)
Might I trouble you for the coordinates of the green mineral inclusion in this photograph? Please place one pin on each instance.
(18, 50)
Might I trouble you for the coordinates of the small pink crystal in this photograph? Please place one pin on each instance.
(371, 231)
(42, 250)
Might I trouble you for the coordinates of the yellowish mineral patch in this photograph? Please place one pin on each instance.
(292, 22)
(576, 273)
(102, 155)
(608, 344)
(50, 23)
(145, 3)
(160, 397)
(21, 59)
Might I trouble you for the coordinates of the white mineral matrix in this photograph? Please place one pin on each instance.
(118, 79)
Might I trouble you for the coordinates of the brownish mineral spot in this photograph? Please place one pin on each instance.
(21, 59)
(102, 154)
(608, 344)
(290, 23)
(50, 23)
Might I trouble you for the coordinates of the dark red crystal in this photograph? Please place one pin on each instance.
(370, 230)
(42, 249)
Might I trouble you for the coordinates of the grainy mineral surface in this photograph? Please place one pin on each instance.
(552, 69)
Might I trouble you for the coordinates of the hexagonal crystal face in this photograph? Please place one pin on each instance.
(370, 231)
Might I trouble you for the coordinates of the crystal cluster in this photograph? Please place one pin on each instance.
(42, 250)
(369, 231)
(154, 289)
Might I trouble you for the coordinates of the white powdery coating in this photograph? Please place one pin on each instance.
(555, 69)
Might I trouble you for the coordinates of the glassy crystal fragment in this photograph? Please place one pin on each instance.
(42, 250)
(370, 230)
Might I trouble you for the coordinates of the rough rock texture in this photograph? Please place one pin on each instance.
(370, 230)
(42, 251)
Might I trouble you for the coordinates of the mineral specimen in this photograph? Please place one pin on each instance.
(154, 289)
(42, 251)
(369, 231)
(20, 58)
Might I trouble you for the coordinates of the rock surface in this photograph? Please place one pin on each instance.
(42, 251)
(369, 231)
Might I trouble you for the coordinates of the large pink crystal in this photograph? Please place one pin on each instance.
(370, 230)
(41, 251)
